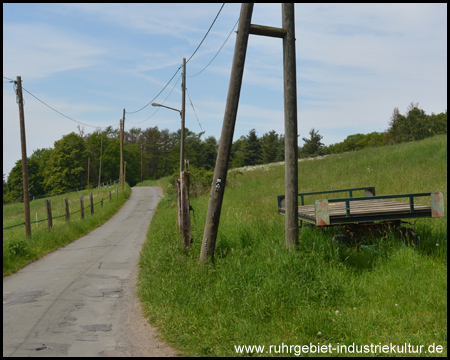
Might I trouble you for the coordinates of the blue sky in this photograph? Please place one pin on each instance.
(355, 63)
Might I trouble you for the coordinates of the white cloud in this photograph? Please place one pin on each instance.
(355, 63)
(39, 50)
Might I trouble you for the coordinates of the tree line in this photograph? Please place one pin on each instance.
(74, 157)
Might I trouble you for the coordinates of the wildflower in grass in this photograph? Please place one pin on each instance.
(337, 312)
(319, 333)
(396, 304)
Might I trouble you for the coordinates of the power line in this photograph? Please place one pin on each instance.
(218, 51)
(60, 113)
(134, 112)
(158, 107)
(206, 33)
(194, 110)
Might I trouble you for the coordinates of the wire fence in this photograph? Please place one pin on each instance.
(79, 188)
(68, 214)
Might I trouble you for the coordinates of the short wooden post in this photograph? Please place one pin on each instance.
(101, 201)
(49, 213)
(66, 205)
(92, 203)
(186, 218)
(109, 195)
(82, 207)
(179, 219)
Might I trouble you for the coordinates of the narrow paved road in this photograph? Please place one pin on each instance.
(80, 300)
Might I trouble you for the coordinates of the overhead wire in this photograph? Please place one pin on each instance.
(60, 113)
(194, 110)
(217, 51)
(142, 108)
(158, 107)
(176, 72)
(206, 33)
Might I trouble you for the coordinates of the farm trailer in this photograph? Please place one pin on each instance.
(365, 213)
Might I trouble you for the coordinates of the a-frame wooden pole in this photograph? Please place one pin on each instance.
(226, 138)
(290, 125)
(287, 33)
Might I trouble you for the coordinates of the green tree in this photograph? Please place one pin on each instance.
(270, 147)
(415, 125)
(313, 146)
(237, 156)
(252, 149)
(210, 147)
(438, 123)
(132, 156)
(36, 187)
(14, 184)
(67, 164)
(4, 187)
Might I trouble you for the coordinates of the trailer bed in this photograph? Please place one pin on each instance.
(369, 208)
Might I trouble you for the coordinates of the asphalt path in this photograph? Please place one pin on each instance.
(80, 300)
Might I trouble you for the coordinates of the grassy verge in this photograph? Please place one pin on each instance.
(259, 293)
(19, 251)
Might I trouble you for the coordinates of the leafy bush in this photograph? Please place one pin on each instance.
(17, 247)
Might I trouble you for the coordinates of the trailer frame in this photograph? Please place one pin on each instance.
(369, 211)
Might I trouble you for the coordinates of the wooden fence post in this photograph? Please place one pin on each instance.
(92, 203)
(101, 201)
(49, 213)
(109, 195)
(82, 207)
(66, 205)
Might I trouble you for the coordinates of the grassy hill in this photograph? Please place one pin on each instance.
(259, 293)
(19, 251)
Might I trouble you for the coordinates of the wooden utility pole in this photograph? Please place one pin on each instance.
(183, 200)
(23, 141)
(290, 125)
(100, 170)
(226, 138)
(122, 139)
(183, 113)
(291, 149)
(121, 156)
(142, 163)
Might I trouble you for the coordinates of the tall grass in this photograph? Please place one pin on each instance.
(19, 251)
(259, 293)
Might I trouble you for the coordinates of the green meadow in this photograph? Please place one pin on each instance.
(258, 292)
(18, 250)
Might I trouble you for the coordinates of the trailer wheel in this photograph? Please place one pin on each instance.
(409, 235)
(341, 239)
